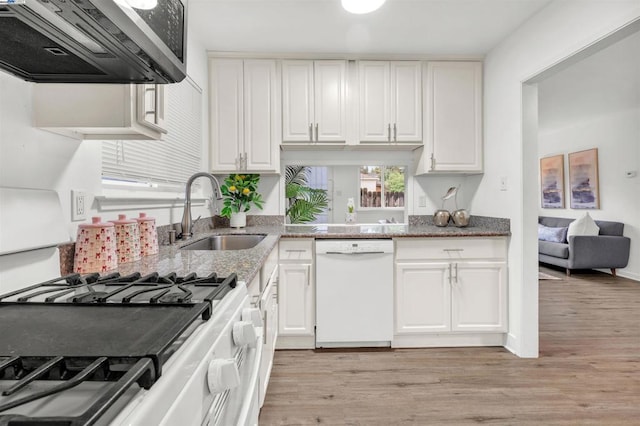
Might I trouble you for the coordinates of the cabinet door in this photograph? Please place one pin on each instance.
(406, 101)
(423, 298)
(151, 106)
(297, 101)
(295, 295)
(261, 123)
(453, 116)
(375, 113)
(479, 296)
(226, 109)
(330, 106)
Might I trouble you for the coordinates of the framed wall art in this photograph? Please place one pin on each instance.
(552, 182)
(583, 179)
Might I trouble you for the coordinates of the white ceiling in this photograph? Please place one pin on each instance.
(418, 27)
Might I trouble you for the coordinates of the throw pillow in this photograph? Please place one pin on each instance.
(555, 235)
(583, 226)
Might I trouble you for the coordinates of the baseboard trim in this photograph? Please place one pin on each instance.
(448, 340)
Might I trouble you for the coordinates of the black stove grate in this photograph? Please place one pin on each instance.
(113, 328)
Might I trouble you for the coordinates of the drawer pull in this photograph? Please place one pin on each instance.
(295, 251)
(458, 249)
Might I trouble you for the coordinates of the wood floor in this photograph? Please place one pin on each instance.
(588, 372)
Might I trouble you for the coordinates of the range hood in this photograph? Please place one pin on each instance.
(93, 41)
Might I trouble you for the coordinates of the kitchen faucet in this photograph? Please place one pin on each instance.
(187, 223)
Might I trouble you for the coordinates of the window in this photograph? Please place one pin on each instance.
(167, 163)
(382, 186)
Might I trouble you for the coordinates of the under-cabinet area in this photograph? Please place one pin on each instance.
(445, 292)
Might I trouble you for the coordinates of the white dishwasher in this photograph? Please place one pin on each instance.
(354, 293)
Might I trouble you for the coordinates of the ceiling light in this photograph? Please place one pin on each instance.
(143, 4)
(361, 6)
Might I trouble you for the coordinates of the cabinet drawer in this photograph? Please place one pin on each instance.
(296, 249)
(450, 248)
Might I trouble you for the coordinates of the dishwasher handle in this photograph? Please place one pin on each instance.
(354, 253)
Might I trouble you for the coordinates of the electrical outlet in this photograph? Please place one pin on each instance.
(422, 201)
(78, 205)
(503, 183)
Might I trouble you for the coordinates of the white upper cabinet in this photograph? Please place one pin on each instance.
(453, 118)
(244, 111)
(101, 111)
(390, 101)
(314, 103)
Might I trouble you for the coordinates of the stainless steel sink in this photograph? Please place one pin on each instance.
(226, 242)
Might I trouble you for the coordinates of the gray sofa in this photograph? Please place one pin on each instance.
(609, 249)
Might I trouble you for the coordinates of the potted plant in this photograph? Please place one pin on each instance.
(303, 202)
(239, 192)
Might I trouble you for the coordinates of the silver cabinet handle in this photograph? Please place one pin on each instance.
(455, 267)
(389, 132)
(295, 251)
(245, 161)
(457, 249)
(395, 132)
(433, 162)
(264, 328)
(156, 95)
(308, 275)
(311, 132)
(316, 132)
(449, 274)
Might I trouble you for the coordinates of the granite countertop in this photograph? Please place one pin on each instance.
(247, 263)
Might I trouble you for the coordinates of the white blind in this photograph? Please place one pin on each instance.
(168, 161)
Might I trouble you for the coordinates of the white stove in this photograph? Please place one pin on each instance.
(154, 350)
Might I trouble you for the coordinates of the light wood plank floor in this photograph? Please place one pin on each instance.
(588, 372)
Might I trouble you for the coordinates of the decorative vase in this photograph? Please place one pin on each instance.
(238, 220)
(350, 217)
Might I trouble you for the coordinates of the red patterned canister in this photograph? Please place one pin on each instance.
(148, 235)
(127, 239)
(95, 247)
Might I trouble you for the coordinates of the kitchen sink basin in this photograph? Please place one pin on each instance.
(226, 242)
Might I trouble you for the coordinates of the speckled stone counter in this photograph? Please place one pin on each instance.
(171, 258)
(247, 263)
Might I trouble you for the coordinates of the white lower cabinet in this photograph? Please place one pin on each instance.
(450, 292)
(296, 295)
(423, 297)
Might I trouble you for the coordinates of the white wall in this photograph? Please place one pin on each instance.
(596, 104)
(556, 32)
(34, 158)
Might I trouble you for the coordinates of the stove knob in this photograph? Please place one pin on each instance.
(252, 315)
(222, 375)
(244, 333)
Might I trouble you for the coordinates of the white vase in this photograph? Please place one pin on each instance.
(238, 220)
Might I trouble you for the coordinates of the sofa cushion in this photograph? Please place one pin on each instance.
(610, 228)
(555, 235)
(560, 250)
(583, 226)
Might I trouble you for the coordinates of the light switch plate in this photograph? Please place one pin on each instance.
(78, 205)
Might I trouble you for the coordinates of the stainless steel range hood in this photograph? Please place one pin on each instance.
(93, 41)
